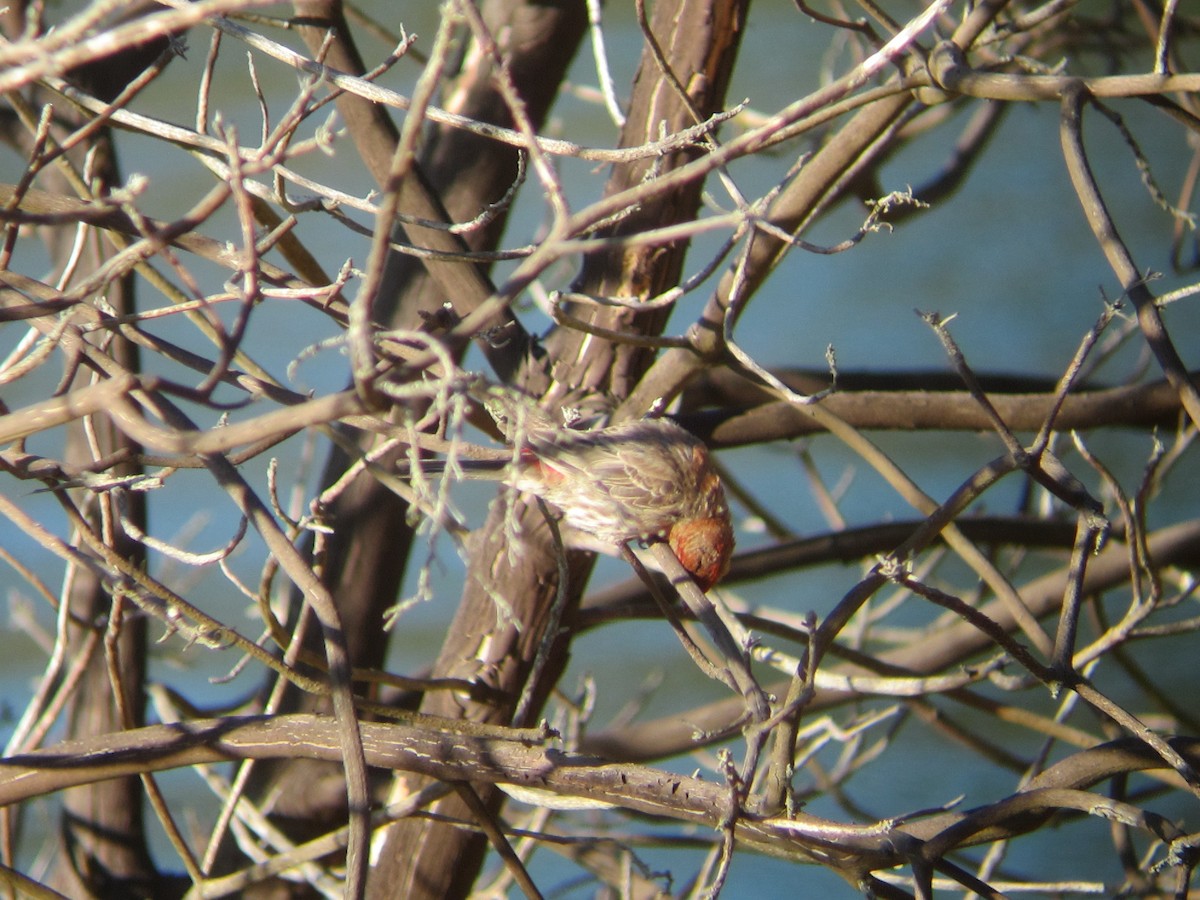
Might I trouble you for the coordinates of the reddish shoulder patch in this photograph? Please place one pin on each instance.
(545, 470)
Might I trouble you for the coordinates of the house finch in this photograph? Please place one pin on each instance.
(646, 480)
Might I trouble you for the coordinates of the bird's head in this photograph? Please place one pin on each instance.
(704, 546)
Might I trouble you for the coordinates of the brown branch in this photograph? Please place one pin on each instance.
(937, 650)
(949, 71)
(1135, 406)
(453, 757)
(1133, 281)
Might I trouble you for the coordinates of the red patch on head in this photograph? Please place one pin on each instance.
(704, 547)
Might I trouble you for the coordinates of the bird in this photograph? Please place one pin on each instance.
(646, 480)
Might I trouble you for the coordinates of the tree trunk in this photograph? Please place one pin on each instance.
(425, 858)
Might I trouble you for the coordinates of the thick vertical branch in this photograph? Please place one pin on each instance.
(700, 38)
(102, 823)
(698, 41)
(456, 175)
